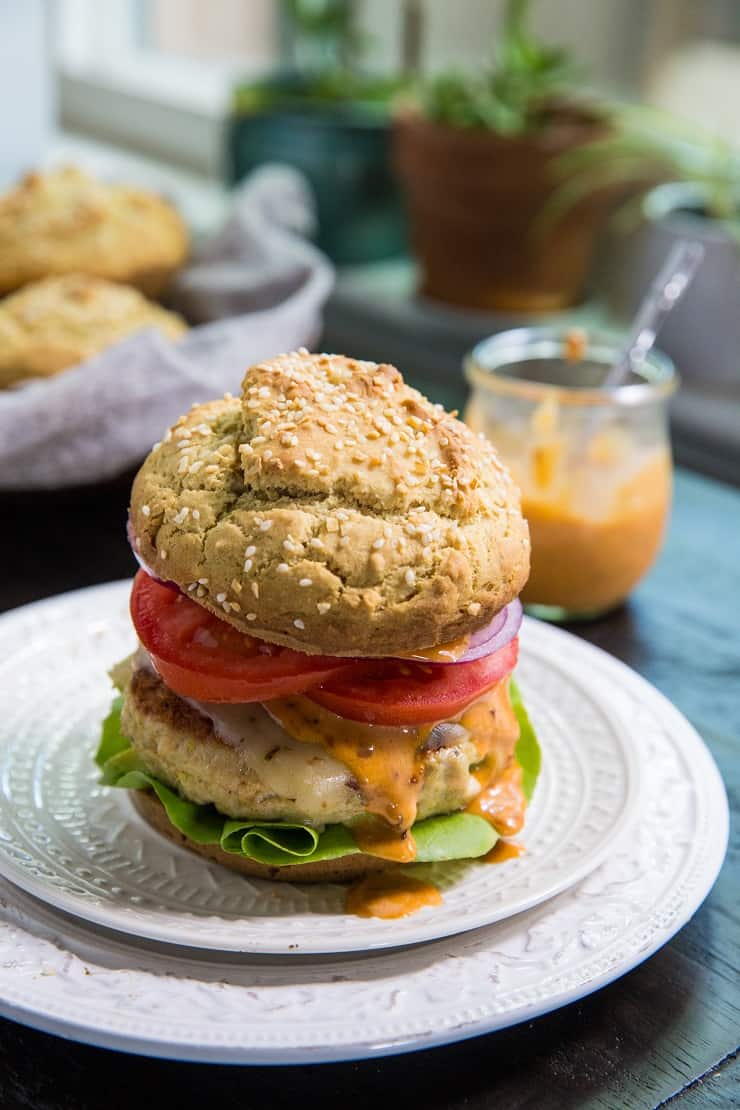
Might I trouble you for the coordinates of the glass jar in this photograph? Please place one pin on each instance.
(593, 464)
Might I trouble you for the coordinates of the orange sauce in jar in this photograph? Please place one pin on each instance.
(390, 894)
(588, 557)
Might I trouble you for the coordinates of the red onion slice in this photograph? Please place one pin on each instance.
(496, 635)
(502, 629)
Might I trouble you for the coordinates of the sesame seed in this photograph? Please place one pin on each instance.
(163, 554)
(192, 586)
(255, 589)
(305, 582)
(196, 514)
(202, 581)
(323, 607)
(251, 550)
(267, 454)
(282, 568)
(315, 542)
(251, 616)
(299, 624)
(263, 392)
(221, 598)
(474, 608)
(145, 510)
(246, 449)
(247, 565)
(410, 577)
(377, 544)
(266, 525)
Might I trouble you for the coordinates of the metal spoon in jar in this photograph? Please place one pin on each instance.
(666, 291)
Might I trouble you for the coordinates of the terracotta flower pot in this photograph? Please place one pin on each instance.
(473, 197)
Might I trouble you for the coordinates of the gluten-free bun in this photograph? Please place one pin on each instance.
(65, 221)
(333, 509)
(323, 871)
(52, 324)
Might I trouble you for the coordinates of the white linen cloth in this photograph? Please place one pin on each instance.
(256, 289)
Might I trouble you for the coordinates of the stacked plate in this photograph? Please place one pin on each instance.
(111, 935)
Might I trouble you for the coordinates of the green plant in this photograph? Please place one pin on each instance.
(323, 34)
(324, 47)
(645, 147)
(518, 94)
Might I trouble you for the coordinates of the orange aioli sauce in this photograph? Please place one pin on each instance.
(387, 762)
(588, 562)
(445, 653)
(502, 802)
(390, 895)
(504, 850)
(597, 502)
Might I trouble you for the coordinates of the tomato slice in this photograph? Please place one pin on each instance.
(392, 693)
(200, 656)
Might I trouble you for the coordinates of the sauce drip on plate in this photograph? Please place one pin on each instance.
(390, 894)
(504, 850)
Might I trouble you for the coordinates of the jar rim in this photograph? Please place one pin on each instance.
(485, 365)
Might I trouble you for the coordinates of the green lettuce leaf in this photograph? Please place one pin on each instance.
(527, 751)
(277, 843)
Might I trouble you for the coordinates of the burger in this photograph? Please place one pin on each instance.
(327, 614)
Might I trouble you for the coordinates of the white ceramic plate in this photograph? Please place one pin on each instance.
(83, 848)
(73, 978)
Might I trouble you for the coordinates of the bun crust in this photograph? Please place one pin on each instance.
(333, 509)
(65, 221)
(52, 324)
(324, 871)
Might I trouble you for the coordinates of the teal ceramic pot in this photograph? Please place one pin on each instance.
(344, 154)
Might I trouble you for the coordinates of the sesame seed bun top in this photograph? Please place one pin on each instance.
(333, 509)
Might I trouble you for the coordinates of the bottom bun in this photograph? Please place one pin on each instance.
(323, 871)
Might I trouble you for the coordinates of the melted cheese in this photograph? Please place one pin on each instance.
(385, 762)
(306, 772)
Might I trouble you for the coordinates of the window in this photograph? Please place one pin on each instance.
(157, 74)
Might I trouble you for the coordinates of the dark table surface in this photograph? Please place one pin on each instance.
(667, 1032)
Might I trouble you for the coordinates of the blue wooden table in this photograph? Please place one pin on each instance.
(667, 1032)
